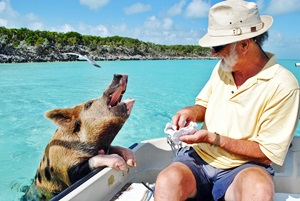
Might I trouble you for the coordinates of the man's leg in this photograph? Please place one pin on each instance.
(253, 183)
(176, 182)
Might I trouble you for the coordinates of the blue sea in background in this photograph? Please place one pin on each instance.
(160, 89)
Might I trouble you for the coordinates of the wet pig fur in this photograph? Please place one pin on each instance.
(83, 141)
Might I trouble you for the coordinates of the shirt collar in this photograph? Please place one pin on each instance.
(267, 72)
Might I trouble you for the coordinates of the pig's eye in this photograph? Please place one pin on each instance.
(88, 105)
(77, 125)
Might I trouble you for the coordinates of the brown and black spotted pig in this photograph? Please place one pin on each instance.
(82, 142)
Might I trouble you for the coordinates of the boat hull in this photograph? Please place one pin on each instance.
(154, 155)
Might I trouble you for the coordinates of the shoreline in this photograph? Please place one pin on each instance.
(61, 58)
(24, 45)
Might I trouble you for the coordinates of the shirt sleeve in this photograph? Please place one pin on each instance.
(278, 124)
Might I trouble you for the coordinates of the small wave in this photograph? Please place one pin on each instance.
(19, 187)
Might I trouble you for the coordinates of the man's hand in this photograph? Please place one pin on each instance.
(200, 136)
(184, 116)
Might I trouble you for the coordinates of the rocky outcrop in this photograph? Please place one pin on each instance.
(51, 53)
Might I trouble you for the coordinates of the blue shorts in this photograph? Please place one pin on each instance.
(212, 183)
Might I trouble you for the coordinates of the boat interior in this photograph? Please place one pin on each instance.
(154, 155)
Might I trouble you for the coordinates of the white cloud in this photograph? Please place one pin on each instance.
(36, 26)
(176, 9)
(137, 8)
(10, 18)
(167, 37)
(100, 30)
(64, 28)
(152, 23)
(104, 30)
(165, 31)
(283, 47)
(260, 4)
(94, 4)
(167, 23)
(117, 29)
(2, 6)
(3, 23)
(197, 9)
(9, 15)
(31, 16)
(277, 7)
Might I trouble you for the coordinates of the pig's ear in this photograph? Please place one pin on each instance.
(61, 117)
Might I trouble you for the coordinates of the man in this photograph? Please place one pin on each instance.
(249, 109)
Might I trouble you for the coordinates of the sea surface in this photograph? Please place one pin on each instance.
(27, 90)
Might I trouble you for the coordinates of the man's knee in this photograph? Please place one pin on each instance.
(263, 184)
(165, 179)
(172, 175)
(254, 182)
(162, 179)
(175, 178)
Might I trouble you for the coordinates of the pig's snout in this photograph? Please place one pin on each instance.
(115, 93)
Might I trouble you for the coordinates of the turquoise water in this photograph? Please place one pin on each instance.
(160, 88)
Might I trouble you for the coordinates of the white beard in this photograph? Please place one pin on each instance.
(228, 62)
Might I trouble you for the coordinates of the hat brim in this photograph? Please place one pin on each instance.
(211, 41)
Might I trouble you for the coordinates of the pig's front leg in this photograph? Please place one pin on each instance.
(125, 153)
(117, 159)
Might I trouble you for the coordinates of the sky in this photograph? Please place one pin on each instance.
(167, 22)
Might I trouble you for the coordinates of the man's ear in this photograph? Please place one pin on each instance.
(244, 46)
(245, 43)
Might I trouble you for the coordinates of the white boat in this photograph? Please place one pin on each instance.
(297, 64)
(154, 155)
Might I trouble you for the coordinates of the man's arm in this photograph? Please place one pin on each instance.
(249, 150)
(246, 149)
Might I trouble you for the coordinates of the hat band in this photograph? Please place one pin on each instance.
(235, 31)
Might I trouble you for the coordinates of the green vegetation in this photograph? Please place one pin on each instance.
(23, 45)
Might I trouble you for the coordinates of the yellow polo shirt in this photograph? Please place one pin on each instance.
(264, 109)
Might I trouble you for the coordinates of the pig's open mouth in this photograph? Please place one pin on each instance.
(116, 96)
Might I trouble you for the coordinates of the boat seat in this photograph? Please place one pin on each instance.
(137, 191)
(286, 197)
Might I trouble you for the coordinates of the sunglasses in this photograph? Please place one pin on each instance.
(219, 48)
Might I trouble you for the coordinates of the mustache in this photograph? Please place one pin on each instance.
(228, 62)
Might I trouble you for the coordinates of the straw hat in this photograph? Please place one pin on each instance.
(234, 20)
